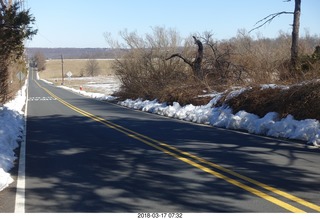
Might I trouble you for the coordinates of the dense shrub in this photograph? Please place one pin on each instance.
(92, 67)
(146, 72)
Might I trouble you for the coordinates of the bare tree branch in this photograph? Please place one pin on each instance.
(181, 57)
(268, 19)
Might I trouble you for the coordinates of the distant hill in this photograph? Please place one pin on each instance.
(73, 53)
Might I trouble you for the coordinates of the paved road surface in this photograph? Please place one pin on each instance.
(84, 155)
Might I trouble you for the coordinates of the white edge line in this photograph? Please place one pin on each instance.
(20, 193)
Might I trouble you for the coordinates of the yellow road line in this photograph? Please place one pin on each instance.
(149, 141)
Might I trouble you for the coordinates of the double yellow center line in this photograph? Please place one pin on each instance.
(202, 164)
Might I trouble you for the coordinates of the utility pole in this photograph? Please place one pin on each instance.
(62, 76)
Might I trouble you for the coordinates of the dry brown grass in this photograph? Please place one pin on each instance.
(302, 101)
(52, 73)
(54, 68)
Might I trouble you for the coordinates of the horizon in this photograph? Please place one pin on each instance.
(316, 36)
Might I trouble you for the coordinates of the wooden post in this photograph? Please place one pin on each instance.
(62, 75)
(295, 38)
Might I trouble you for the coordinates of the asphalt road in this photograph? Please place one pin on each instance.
(84, 155)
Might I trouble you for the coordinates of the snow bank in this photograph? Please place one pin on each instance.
(11, 128)
(98, 96)
(270, 125)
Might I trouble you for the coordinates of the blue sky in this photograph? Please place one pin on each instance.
(82, 23)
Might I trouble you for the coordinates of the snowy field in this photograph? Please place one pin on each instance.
(106, 85)
(12, 121)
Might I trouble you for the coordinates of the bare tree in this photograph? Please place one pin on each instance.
(295, 32)
(39, 61)
(196, 64)
(92, 67)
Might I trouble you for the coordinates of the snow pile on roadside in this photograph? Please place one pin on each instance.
(11, 128)
(307, 130)
(98, 96)
(270, 125)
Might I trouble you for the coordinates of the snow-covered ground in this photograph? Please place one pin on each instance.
(98, 96)
(107, 84)
(11, 129)
(11, 122)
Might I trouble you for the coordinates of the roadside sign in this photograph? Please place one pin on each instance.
(69, 74)
(20, 76)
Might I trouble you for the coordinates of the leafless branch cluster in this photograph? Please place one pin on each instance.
(268, 19)
(158, 66)
(92, 67)
(144, 71)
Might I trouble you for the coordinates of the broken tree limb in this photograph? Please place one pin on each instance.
(196, 65)
(181, 57)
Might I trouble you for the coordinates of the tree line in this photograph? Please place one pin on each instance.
(15, 27)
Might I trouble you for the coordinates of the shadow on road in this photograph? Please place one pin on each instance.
(77, 165)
